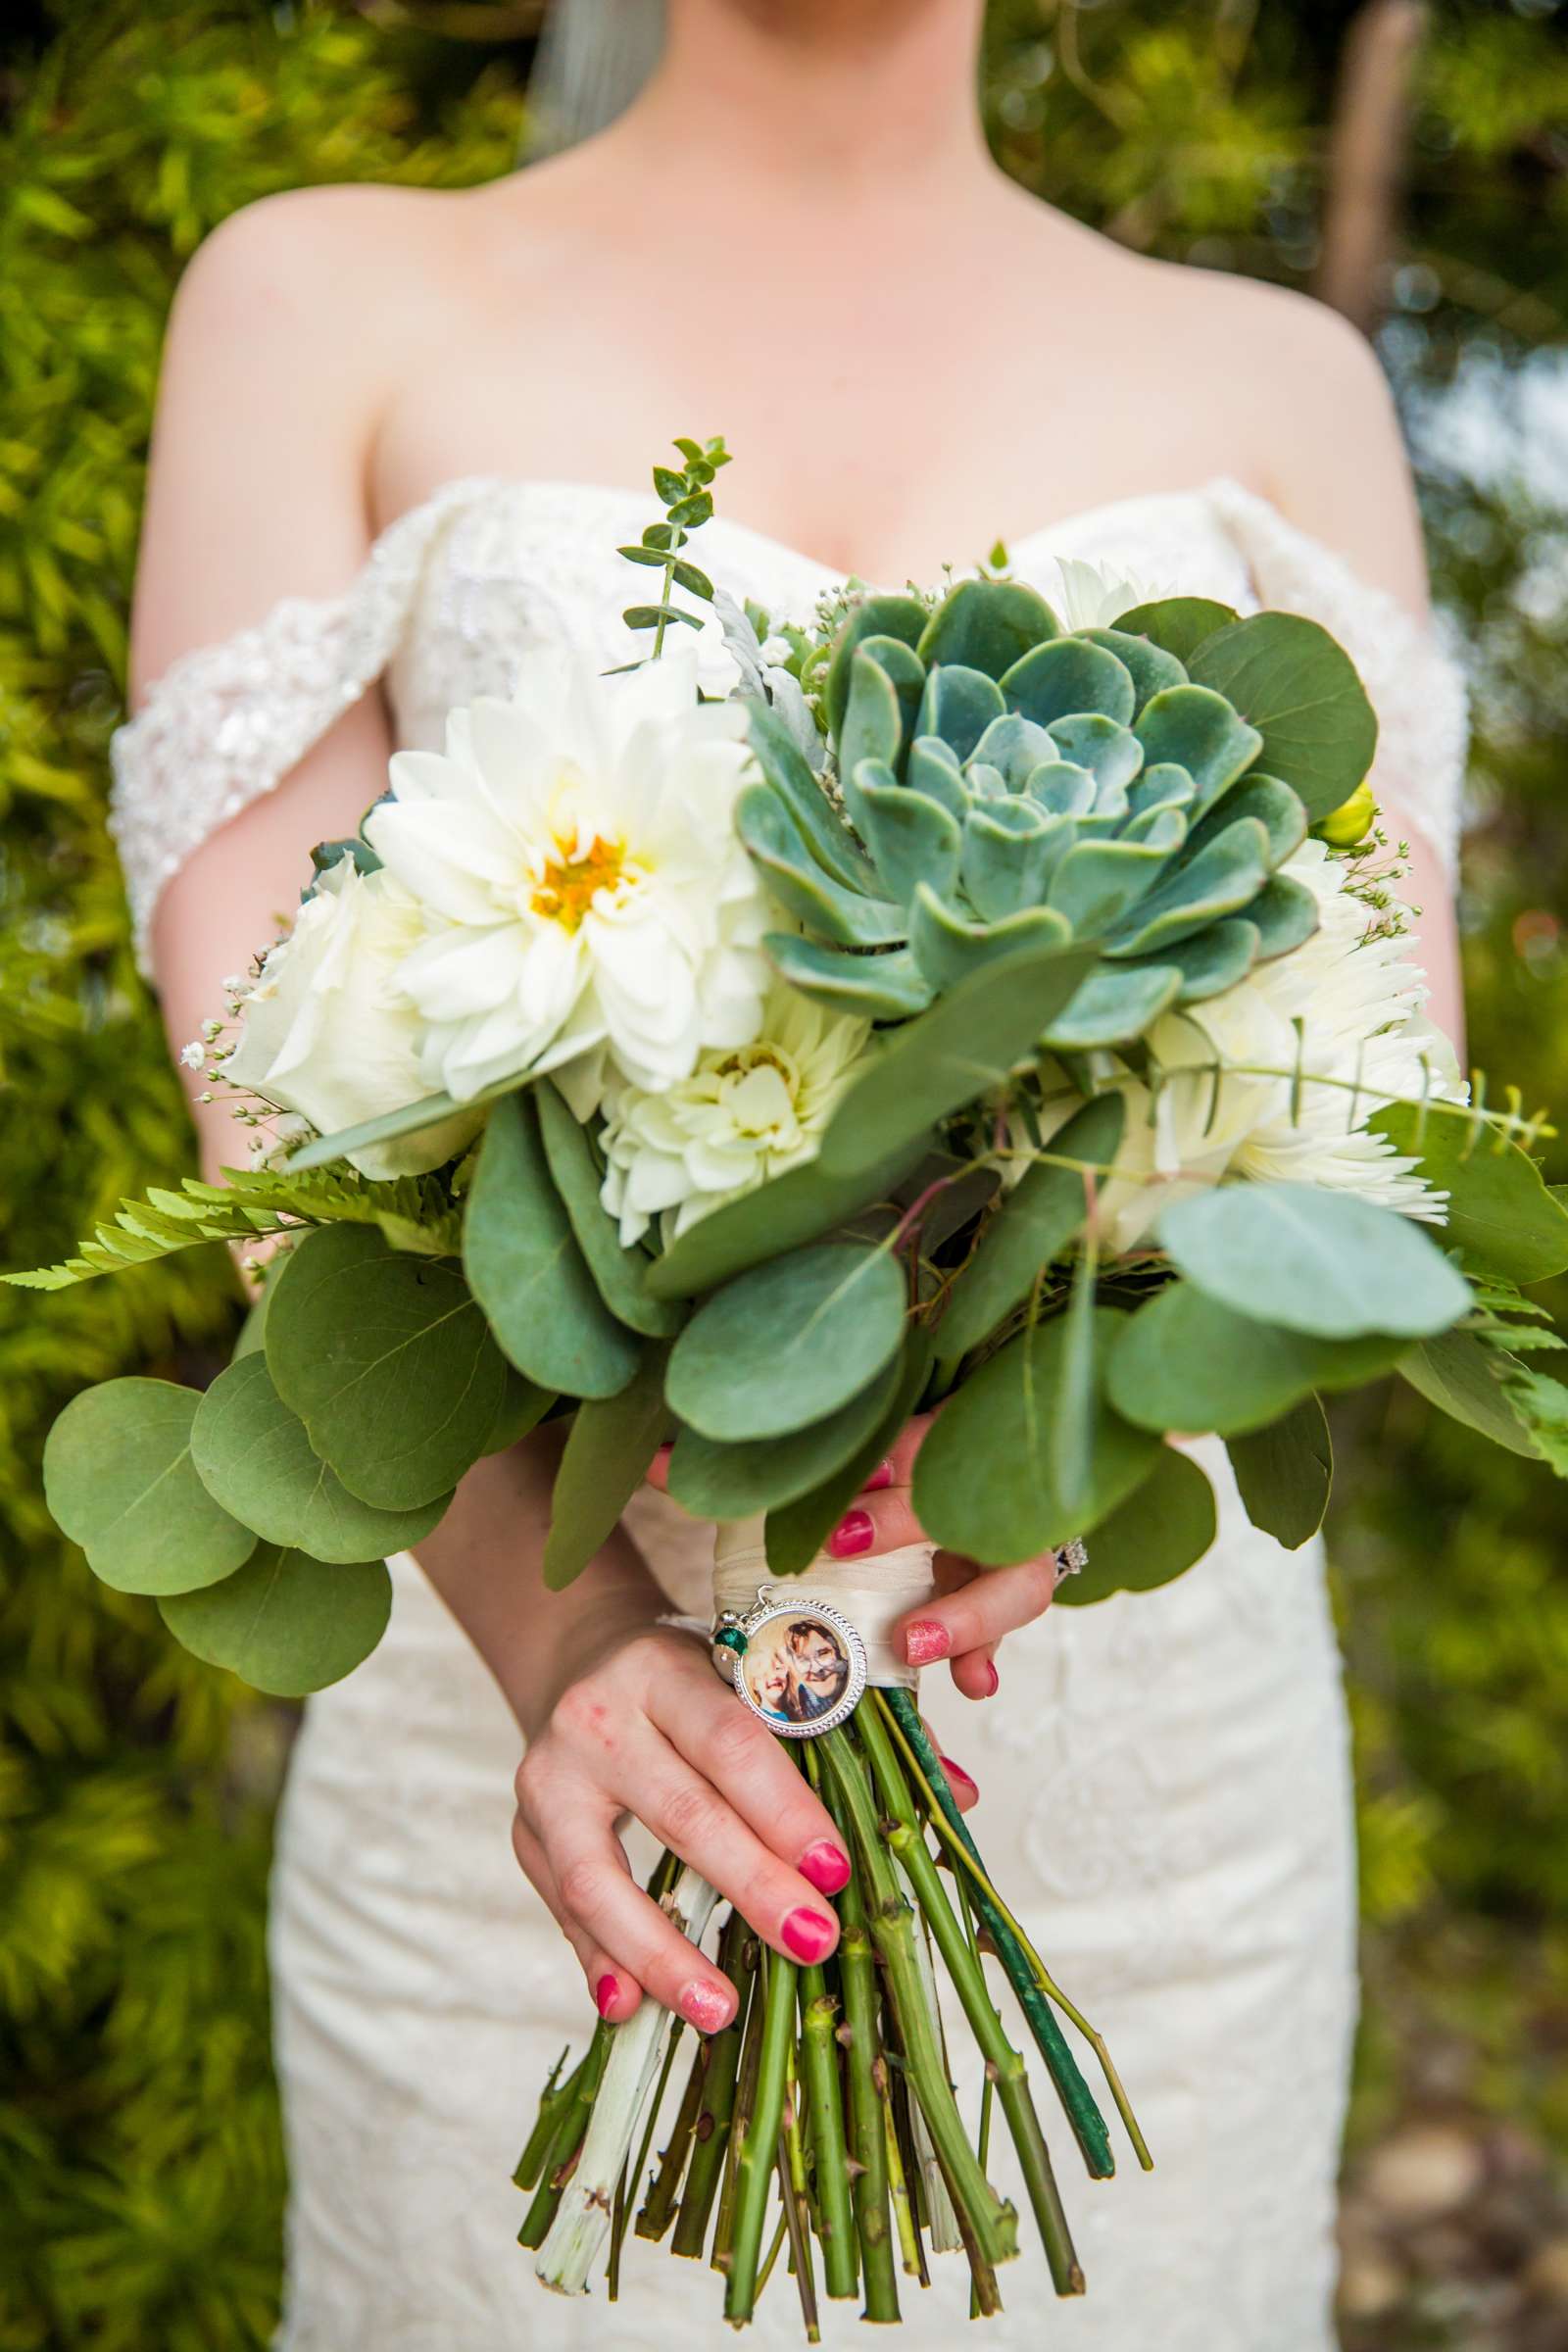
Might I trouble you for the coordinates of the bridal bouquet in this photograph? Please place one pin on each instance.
(988, 1004)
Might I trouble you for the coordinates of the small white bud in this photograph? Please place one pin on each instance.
(193, 1055)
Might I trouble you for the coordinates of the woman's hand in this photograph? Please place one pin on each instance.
(975, 1607)
(649, 1728)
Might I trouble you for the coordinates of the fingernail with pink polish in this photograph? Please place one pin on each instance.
(706, 2006)
(956, 1772)
(881, 1476)
(808, 1936)
(925, 1641)
(854, 1532)
(826, 1866)
(994, 1680)
(607, 1993)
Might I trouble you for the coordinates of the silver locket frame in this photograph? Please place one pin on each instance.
(772, 1605)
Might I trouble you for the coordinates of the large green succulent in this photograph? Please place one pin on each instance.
(1012, 784)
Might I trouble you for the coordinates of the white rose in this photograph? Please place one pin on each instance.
(327, 1032)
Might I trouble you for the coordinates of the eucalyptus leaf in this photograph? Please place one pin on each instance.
(323, 1150)
(967, 1044)
(1463, 1376)
(796, 1532)
(254, 1456)
(611, 1442)
(987, 1482)
(1186, 1363)
(789, 1342)
(716, 1481)
(119, 1481)
(285, 1623)
(799, 1207)
(1292, 681)
(621, 1274)
(387, 1361)
(527, 1272)
(523, 1405)
(1033, 1225)
(1326, 1263)
(1285, 1471)
(1178, 623)
(1164, 1528)
(1501, 1215)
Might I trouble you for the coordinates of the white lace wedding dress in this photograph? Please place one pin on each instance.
(1165, 1793)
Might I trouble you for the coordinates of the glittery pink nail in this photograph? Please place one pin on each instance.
(925, 1641)
(706, 2006)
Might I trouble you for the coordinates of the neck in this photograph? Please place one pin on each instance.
(823, 96)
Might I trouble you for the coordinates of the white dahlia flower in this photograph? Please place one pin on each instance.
(746, 1113)
(1362, 1043)
(585, 896)
(327, 1031)
(1089, 596)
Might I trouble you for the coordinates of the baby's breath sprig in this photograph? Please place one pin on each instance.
(688, 502)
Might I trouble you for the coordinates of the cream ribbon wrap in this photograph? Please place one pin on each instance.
(872, 1594)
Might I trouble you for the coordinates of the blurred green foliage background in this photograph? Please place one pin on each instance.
(140, 2172)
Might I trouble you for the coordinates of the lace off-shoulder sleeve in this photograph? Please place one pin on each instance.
(1416, 690)
(227, 722)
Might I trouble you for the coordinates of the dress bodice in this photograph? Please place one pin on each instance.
(456, 590)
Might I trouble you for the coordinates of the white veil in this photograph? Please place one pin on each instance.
(594, 57)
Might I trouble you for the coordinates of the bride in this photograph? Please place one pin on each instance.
(399, 436)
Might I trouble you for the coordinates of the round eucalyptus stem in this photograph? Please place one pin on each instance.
(583, 2218)
(824, 2105)
(992, 2223)
(862, 2048)
(759, 2150)
(1025, 1970)
(1012, 2086)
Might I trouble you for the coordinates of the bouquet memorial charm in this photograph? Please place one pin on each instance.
(977, 1008)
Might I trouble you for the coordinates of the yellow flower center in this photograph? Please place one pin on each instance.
(573, 879)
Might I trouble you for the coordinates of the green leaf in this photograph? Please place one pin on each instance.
(987, 1480)
(529, 1276)
(1290, 679)
(1008, 864)
(967, 1044)
(1099, 882)
(523, 1406)
(285, 1623)
(1116, 1003)
(1193, 728)
(1464, 1377)
(796, 1531)
(933, 769)
(255, 1459)
(1068, 678)
(873, 721)
(958, 706)
(621, 1274)
(1031, 1228)
(888, 987)
(1111, 752)
(901, 616)
(986, 626)
(1209, 961)
(1541, 1405)
(949, 950)
(1150, 668)
(387, 1361)
(816, 820)
(796, 1207)
(911, 837)
(732, 1482)
(1223, 879)
(1164, 1528)
(789, 1342)
(1284, 914)
(1316, 1261)
(119, 1481)
(323, 1150)
(1184, 1362)
(1178, 623)
(1275, 806)
(606, 1459)
(775, 844)
(1284, 1471)
(1502, 1217)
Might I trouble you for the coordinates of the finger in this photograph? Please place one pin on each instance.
(976, 1613)
(615, 1992)
(975, 1673)
(877, 1523)
(657, 1471)
(704, 1724)
(612, 1913)
(965, 1796)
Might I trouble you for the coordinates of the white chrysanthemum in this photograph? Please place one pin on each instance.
(1362, 1038)
(584, 892)
(1088, 596)
(744, 1115)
